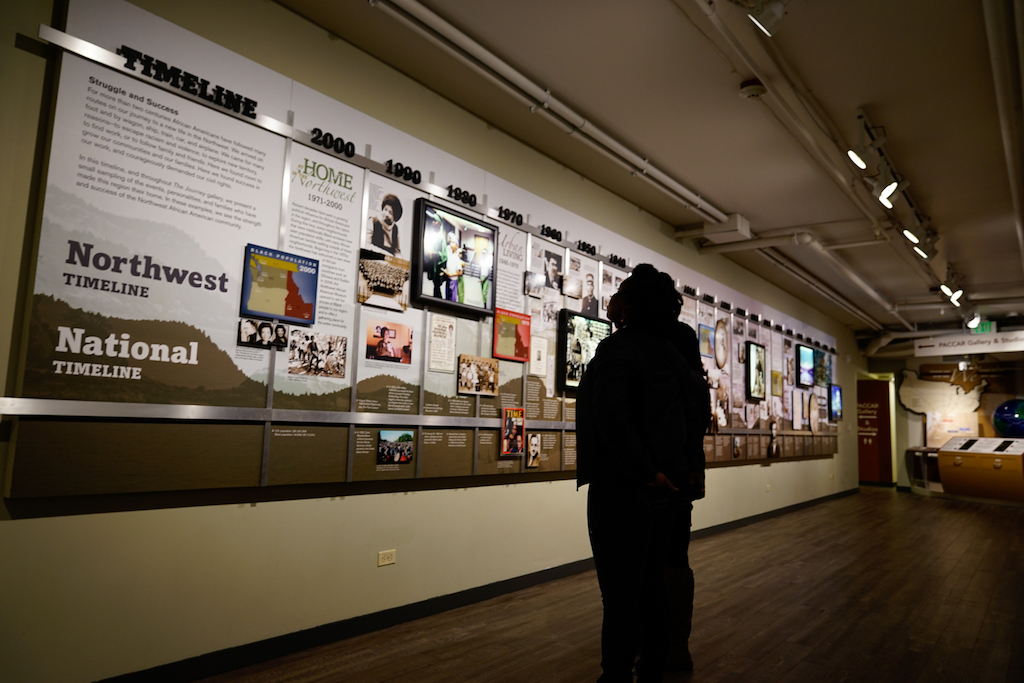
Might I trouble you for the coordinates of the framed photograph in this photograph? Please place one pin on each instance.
(552, 263)
(276, 285)
(533, 452)
(821, 373)
(386, 341)
(578, 337)
(534, 284)
(706, 339)
(511, 336)
(757, 380)
(721, 343)
(454, 259)
(513, 431)
(382, 279)
(317, 354)
(835, 403)
(478, 376)
(805, 366)
(776, 383)
(395, 446)
(260, 334)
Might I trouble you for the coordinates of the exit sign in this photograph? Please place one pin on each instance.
(985, 327)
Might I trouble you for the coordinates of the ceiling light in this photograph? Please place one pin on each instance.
(955, 296)
(974, 321)
(909, 234)
(955, 302)
(858, 155)
(926, 249)
(946, 290)
(767, 15)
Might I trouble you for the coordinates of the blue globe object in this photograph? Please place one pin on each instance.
(1008, 419)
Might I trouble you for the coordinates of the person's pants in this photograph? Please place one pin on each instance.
(635, 543)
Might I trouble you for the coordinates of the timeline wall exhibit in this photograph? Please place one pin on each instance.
(242, 282)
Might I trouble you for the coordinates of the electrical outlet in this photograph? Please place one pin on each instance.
(767, 487)
(385, 557)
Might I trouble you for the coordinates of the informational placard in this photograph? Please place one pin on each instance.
(150, 203)
(442, 343)
(440, 395)
(509, 292)
(389, 362)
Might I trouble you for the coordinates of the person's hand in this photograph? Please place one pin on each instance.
(697, 482)
(662, 482)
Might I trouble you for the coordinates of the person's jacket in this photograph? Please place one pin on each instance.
(641, 408)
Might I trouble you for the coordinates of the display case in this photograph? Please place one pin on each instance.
(983, 468)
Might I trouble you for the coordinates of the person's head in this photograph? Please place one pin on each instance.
(452, 241)
(248, 328)
(519, 441)
(280, 331)
(590, 285)
(390, 209)
(266, 331)
(647, 297)
(384, 333)
(534, 444)
(551, 265)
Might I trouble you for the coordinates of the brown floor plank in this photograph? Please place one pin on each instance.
(871, 588)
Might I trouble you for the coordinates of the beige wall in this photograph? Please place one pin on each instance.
(93, 596)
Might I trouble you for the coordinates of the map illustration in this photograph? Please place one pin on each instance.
(278, 285)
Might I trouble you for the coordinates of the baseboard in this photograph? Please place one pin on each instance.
(223, 661)
(903, 489)
(746, 521)
(880, 484)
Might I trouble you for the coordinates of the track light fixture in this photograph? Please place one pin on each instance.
(858, 155)
(767, 14)
(974, 320)
(952, 287)
(926, 248)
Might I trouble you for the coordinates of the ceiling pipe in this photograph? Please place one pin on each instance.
(836, 172)
(806, 238)
(762, 243)
(854, 245)
(841, 266)
(1007, 93)
(994, 301)
(542, 100)
(783, 263)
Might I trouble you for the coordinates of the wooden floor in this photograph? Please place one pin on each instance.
(879, 586)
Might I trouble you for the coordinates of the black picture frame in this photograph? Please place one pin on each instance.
(577, 346)
(804, 366)
(835, 403)
(432, 282)
(756, 372)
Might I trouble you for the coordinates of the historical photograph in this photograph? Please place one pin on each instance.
(580, 337)
(478, 375)
(383, 277)
(395, 446)
(261, 334)
(455, 259)
(387, 341)
(316, 353)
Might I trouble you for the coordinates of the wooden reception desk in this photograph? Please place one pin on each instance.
(983, 468)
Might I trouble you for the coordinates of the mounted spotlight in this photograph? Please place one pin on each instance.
(767, 15)
(952, 287)
(860, 152)
(974, 321)
(926, 249)
(885, 184)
